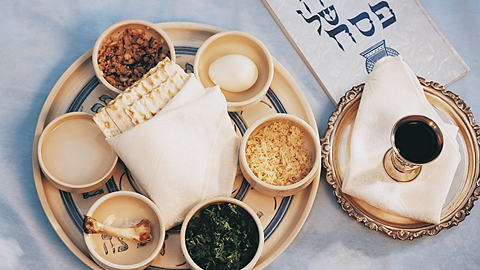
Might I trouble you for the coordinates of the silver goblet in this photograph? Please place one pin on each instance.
(416, 140)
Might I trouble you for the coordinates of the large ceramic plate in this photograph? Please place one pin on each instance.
(465, 186)
(79, 90)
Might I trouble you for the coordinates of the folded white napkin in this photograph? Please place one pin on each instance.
(186, 153)
(391, 92)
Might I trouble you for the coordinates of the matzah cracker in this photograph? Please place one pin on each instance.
(116, 108)
(106, 124)
(146, 107)
(152, 79)
(138, 113)
(143, 99)
(119, 116)
(156, 100)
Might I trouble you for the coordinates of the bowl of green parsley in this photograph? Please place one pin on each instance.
(222, 233)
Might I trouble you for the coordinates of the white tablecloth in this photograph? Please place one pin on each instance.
(39, 40)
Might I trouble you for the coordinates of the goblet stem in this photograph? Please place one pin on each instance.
(399, 169)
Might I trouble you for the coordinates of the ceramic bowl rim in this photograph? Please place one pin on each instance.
(58, 182)
(157, 212)
(306, 127)
(111, 29)
(245, 104)
(207, 202)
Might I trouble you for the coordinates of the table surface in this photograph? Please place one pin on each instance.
(39, 41)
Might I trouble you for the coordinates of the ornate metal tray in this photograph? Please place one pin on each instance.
(465, 187)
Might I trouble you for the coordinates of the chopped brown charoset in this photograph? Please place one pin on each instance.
(125, 59)
(140, 232)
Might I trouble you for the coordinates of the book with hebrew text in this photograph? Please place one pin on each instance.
(340, 40)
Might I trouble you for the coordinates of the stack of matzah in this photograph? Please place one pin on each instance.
(141, 101)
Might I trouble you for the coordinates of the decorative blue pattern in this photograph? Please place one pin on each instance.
(277, 104)
(167, 268)
(72, 209)
(130, 179)
(67, 199)
(239, 123)
(277, 219)
(111, 186)
(375, 53)
(185, 50)
(82, 95)
(242, 191)
(286, 201)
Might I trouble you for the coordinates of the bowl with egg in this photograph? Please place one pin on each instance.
(127, 50)
(73, 154)
(280, 155)
(222, 233)
(239, 63)
(124, 230)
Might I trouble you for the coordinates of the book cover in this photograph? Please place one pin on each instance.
(340, 40)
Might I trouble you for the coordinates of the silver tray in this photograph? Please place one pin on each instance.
(465, 187)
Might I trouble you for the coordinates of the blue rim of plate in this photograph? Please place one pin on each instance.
(111, 186)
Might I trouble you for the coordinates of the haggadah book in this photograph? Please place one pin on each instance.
(340, 40)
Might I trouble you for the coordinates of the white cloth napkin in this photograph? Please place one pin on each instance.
(186, 153)
(391, 92)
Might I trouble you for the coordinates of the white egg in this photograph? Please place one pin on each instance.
(233, 72)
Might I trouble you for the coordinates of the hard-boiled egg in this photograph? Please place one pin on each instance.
(233, 72)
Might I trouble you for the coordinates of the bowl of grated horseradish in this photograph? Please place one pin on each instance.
(280, 155)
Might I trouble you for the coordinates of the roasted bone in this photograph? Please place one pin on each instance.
(140, 232)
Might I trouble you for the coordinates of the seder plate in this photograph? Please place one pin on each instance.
(465, 186)
(79, 90)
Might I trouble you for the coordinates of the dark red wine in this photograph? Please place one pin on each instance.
(417, 142)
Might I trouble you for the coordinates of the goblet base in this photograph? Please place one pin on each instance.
(398, 169)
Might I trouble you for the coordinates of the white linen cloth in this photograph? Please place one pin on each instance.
(186, 153)
(391, 92)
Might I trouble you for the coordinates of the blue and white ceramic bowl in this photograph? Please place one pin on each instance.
(125, 209)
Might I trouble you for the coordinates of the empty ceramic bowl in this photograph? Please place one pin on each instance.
(74, 155)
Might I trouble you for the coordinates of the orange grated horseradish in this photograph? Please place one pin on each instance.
(276, 154)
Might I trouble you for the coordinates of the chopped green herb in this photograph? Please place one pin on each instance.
(225, 236)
